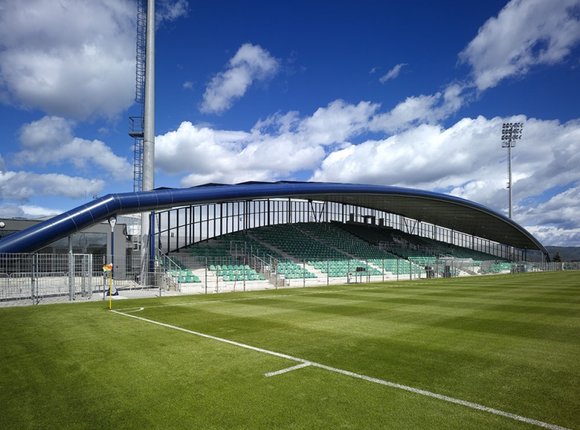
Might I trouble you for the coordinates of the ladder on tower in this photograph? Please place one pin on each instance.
(136, 123)
(137, 133)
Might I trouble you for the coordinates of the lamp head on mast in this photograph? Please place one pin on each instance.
(510, 132)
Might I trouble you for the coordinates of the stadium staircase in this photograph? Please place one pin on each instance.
(373, 260)
(215, 260)
(177, 272)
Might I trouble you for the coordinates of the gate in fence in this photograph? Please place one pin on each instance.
(40, 277)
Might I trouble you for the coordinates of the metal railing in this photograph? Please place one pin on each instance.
(45, 278)
(36, 277)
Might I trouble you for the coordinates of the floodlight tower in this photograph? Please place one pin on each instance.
(142, 128)
(148, 220)
(510, 133)
(149, 112)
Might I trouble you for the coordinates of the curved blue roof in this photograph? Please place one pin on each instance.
(440, 209)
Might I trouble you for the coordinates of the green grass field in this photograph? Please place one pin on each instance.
(511, 343)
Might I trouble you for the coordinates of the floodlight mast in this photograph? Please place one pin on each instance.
(510, 133)
(149, 109)
(148, 220)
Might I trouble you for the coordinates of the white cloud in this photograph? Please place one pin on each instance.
(250, 64)
(170, 10)
(50, 140)
(526, 33)
(33, 211)
(24, 185)
(466, 160)
(199, 149)
(278, 123)
(27, 211)
(550, 235)
(427, 155)
(560, 211)
(555, 222)
(275, 148)
(68, 58)
(420, 109)
(337, 122)
(49, 132)
(393, 73)
(206, 155)
(547, 157)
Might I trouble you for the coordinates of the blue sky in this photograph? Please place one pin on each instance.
(397, 93)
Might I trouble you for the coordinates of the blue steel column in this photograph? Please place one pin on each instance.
(152, 242)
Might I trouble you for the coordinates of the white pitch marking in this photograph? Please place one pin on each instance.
(208, 336)
(288, 369)
(443, 397)
(133, 310)
(304, 363)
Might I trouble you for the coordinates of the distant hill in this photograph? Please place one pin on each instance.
(567, 253)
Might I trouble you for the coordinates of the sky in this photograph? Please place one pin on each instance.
(408, 93)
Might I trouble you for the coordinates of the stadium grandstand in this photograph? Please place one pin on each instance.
(256, 235)
(253, 235)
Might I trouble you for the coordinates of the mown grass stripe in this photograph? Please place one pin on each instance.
(305, 363)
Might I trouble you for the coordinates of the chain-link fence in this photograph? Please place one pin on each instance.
(43, 278)
(37, 277)
(47, 278)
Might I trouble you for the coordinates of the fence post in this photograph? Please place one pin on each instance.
(71, 270)
(33, 279)
(217, 278)
(90, 273)
(383, 261)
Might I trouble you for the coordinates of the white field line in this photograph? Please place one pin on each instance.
(305, 363)
(208, 336)
(443, 397)
(288, 369)
(133, 310)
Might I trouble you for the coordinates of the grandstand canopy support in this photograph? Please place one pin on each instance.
(452, 213)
